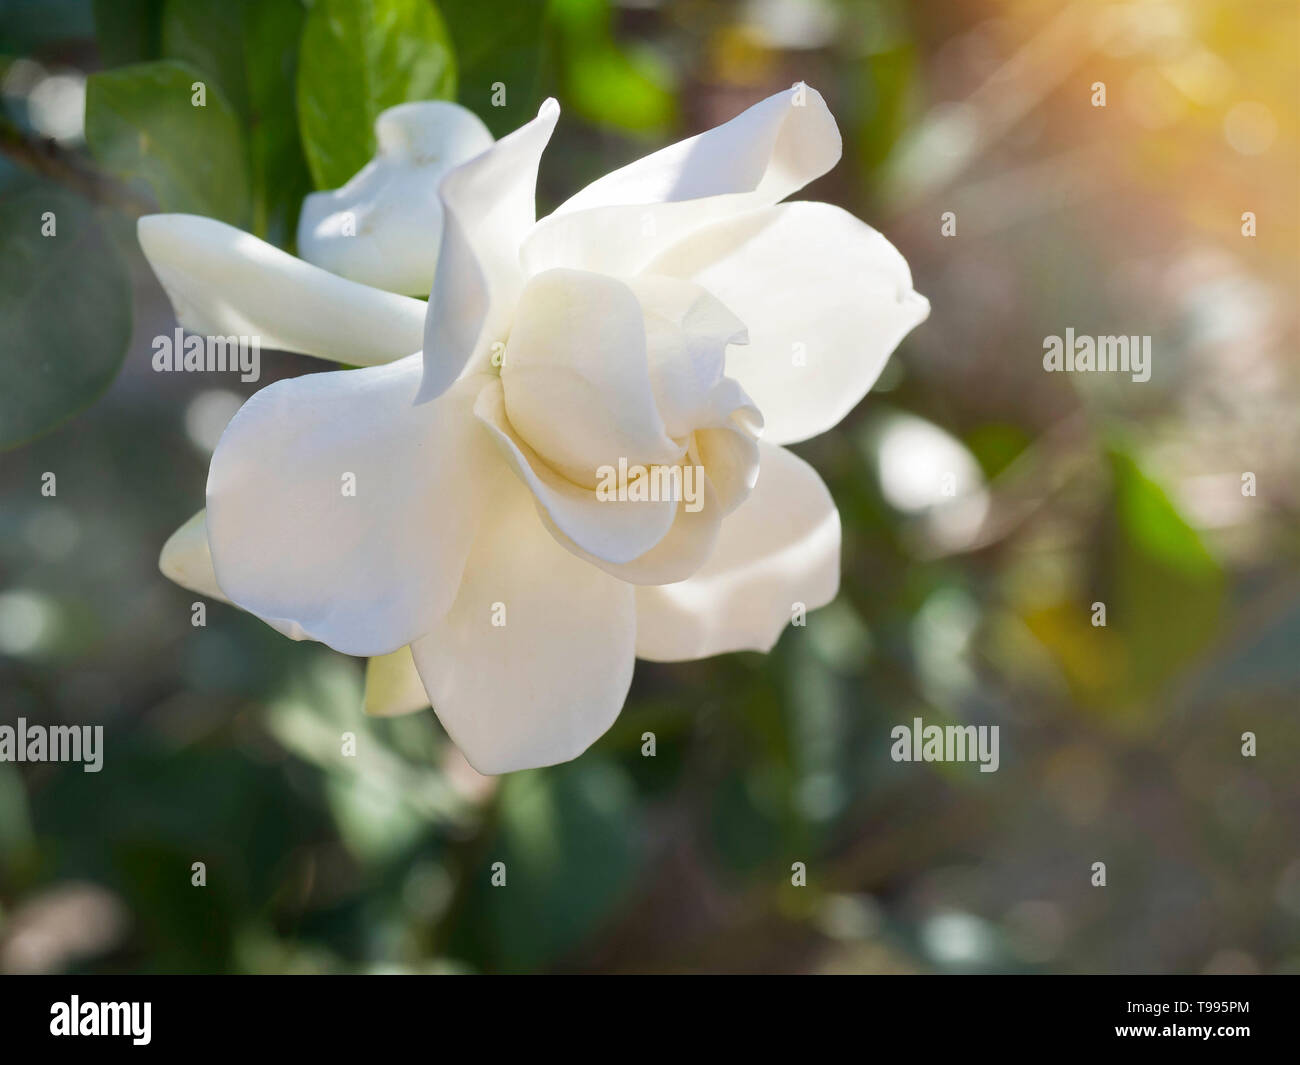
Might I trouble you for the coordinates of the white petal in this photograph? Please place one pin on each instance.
(187, 560)
(544, 681)
(577, 379)
(225, 282)
(393, 685)
(686, 546)
(618, 223)
(825, 297)
(489, 205)
(687, 333)
(367, 572)
(613, 530)
(781, 547)
(384, 226)
(730, 456)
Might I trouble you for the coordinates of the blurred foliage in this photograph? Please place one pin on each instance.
(1120, 742)
(140, 124)
(66, 328)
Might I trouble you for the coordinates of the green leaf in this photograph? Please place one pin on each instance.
(210, 37)
(250, 49)
(141, 124)
(358, 58)
(502, 49)
(127, 30)
(1168, 589)
(65, 312)
(272, 32)
(605, 83)
(567, 836)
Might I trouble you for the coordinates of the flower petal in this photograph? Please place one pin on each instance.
(781, 547)
(730, 455)
(384, 226)
(187, 560)
(614, 530)
(533, 661)
(684, 548)
(618, 223)
(337, 502)
(825, 297)
(490, 205)
(225, 282)
(393, 685)
(576, 376)
(687, 332)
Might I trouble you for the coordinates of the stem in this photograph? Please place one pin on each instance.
(47, 158)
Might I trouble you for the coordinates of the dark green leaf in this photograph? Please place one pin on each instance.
(499, 54)
(127, 30)
(568, 840)
(65, 312)
(250, 49)
(358, 58)
(141, 123)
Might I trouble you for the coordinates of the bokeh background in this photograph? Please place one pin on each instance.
(1120, 744)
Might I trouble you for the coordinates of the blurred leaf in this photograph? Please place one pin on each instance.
(140, 123)
(390, 789)
(272, 31)
(1163, 593)
(127, 31)
(498, 46)
(32, 25)
(604, 83)
(250, 49)
(65, 313)
(568, 837)
(881, 78)
(210, 37)
(358, 58)
(1168, 589)
(996, 445)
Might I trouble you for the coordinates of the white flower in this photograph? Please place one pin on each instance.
(611, 332)
(383, 227)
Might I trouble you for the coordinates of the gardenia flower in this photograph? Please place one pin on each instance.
(673, 316)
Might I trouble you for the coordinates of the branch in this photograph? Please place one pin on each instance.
(46, 157)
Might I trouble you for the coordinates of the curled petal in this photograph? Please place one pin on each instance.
(577, 379)
(825, 297)
(687, 333)
(384, 226)
(489, 206)
(533, 661)
(613, 530)
(686, 546)
(617, 224)
(225, 282)
(730, 454)
(335, 501)
(780, 548)
(186, 560)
